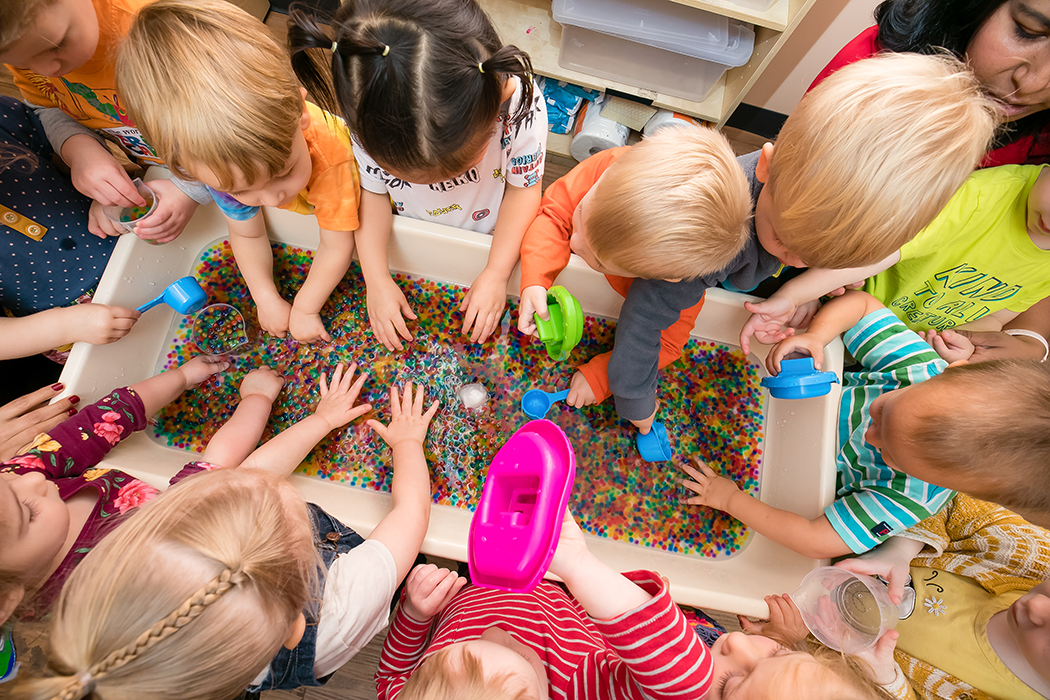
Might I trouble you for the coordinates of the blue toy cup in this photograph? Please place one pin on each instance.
(654, 446)
(799, 379)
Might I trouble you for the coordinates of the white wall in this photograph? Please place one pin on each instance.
(826, 28)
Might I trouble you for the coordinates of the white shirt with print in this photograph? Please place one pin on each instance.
(471, 200)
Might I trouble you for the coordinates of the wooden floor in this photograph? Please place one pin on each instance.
(354, 680)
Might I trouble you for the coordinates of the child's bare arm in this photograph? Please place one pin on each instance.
(811, 538)
(602, 591)
(161, 389)
(769, 316)
(239, 436)
(330, 263)
(991, 322)
(402, 529)
(97, 324)
(285, 452)
(251, 250)
(484, 302)
(387, 306)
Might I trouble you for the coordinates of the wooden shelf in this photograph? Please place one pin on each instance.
(529, 25)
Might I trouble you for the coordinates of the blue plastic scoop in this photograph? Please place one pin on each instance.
(536, 402)
(184, 295)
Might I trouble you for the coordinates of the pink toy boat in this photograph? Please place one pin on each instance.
(516, 526)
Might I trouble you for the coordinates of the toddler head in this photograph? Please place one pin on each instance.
(676, 206)
(420, 82)
(191, 597)
(497, 667)
(981, 428)
(213, 92)
(34, 523)
(869, 157)
(49, 37)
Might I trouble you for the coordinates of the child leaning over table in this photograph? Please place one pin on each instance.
(910, 430)
(824, 196)
(215, 94)
(980, 627)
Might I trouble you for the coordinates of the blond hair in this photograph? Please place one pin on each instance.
(872, 154)
(208, 85)
(1001, 417)
(852, 671)
(190, 598)
(677, 205)
(441, 677)
(17, 17)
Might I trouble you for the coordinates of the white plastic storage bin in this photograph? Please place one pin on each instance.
(665, 25)
(643, 66)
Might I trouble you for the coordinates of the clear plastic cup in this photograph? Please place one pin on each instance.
(129, 218)
(845, 611)
(221, 329)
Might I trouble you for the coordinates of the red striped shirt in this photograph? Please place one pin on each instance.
(649, 653)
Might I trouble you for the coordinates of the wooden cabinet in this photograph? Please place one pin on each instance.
(528, 24)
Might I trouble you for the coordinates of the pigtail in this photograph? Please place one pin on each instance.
(510, 60)
(313, 71)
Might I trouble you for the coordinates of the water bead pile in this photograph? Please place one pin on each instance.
(711, 404)
(130, 214)
(219, 329)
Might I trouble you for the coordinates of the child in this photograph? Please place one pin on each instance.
(906, 422)
(447, 123)
(60, 54)
(214, 92)
(613, 635)
(982, 261)
(847, 158)
(213, 588)
(55, 507)
(980, 627)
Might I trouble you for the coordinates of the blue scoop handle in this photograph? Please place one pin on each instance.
(150, 304)
(557, 395)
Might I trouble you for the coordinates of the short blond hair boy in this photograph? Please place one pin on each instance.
(213, 91)
(869, 156)
(675, 206)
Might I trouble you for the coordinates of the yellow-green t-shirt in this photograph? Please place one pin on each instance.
(948, 631)
(974, 259)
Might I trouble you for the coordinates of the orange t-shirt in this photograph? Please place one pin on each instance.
(89, 93)
(545, 253)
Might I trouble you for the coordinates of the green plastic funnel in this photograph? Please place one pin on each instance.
(564, 330)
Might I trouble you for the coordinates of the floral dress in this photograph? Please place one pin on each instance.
(67, 456)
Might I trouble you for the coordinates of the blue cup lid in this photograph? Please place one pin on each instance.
(799, 379)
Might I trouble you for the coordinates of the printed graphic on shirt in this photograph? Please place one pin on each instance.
(470, 177)
(955, 296)
(480, 214)
(444, 210)
(131, 142)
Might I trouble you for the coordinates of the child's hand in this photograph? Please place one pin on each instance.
(336, 406)
(533, 301)
(800, 345)
(580, 393)
(307, 328)
(407, 419)
(97, 174)
(173, 212)
(99, 324)
(483, 305)
(100, 225)
(263, 381)
(646, 424)
(804, 314)
(429, 589)
(950, 345)
(201, 367)
(387, 310)
(767, 322)
(274, 315)
(784, 624)
(891, 560)
(572, 548)
(880, 658)
(712, 489)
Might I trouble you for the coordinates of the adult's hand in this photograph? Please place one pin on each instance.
(995, 345)
(27, 416)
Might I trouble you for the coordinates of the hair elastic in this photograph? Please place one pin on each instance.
(480, 68)
(1031, 334)
(87, 683)
(386, 49)
(335, 46)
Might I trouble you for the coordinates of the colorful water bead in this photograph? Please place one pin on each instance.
(711, 403)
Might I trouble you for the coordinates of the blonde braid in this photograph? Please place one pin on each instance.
(84, 684)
